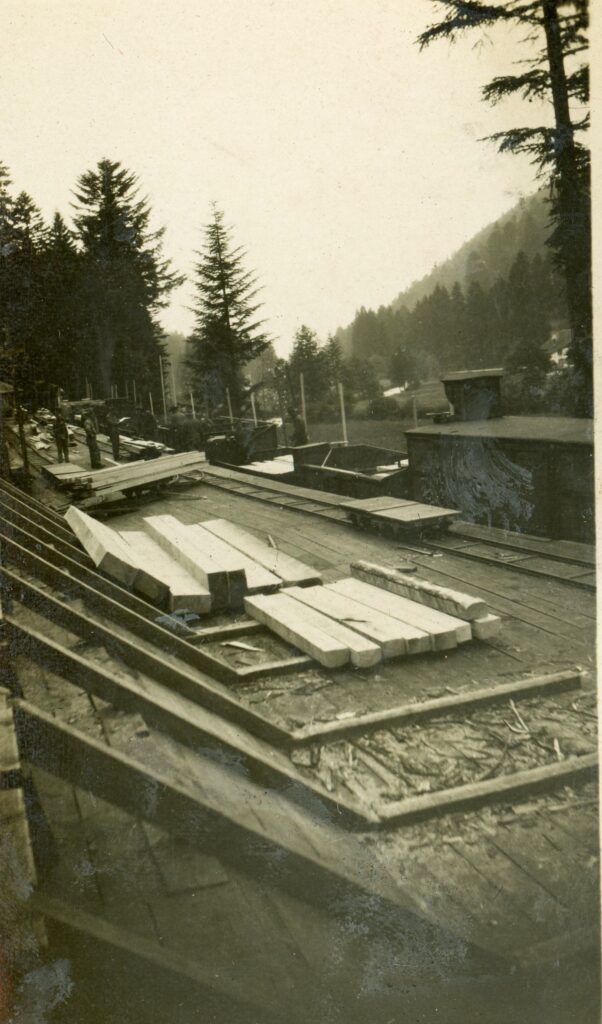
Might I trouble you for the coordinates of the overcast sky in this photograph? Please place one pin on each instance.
(347, 160)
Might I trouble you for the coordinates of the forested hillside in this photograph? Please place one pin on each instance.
(493, 302)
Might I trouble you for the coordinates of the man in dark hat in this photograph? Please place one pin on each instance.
(91, 430)
(61, 436)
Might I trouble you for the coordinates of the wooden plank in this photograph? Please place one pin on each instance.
(232, 477)
(392, 637)
(396, 638)
(486, 626)
(289, 620)
(363, 652)
(133, 472)
(378, 504)
(184, 590)
(258, 578)
(175, 716)
(112, 555)
(123, 942)
(290, 570)
(530, 780)
(173, 672)
(465, 701)
(171, 535)
(444, 599)
(415, 515)
(47, 536)
(446, 630)
(56, 526)
(227, 558)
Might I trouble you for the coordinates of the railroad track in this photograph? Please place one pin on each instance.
(512, 555)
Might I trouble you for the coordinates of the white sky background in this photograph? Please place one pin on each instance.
(347, 160)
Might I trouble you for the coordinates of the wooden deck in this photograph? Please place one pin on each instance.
(516, 879)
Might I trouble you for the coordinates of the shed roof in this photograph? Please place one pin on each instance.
(553, 429)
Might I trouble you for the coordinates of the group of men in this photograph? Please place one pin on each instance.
(90, 425)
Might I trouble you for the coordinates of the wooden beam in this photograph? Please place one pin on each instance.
(230, 560)
(185, 722)
(112, 555)
(445, 630)
(44, 535)
(118, 605)
(426, 709)
(169, 533)
(463, 606)
(21, 505)
(258, 578)
(395, 638)
(132, 946)
(300, 627)
(290, 570)
(486, 626)
(177, 680)
(362, 652)
(216, 808)
(184, 591)
(531, 780)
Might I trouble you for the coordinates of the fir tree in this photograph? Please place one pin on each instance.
(228, 333)
(561, 28)
(125, 279)
(308, 359)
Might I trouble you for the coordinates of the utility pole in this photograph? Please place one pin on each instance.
(343, 418)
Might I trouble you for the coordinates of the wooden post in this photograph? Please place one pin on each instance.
(303, 408)
(134, 389)
(22, 439)
(282, 417)
(163, 387)
(414, 411)
(173, 385)
(150, 401)
(229, 406)
(192, 404)
(253, 408)
(343, 419)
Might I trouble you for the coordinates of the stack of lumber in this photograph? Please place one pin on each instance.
(364, 618)
(137, 446)
(483, 624)
(111, 554)
(290, 570)
(201, 568)
(96, 486)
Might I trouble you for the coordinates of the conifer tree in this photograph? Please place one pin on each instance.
(556, 74)
(228, 332)
(125, 281)
(21, 294)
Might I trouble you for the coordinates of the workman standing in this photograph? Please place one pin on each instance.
(113, 431)
(61, 437)
(300, 435)
(91, 431)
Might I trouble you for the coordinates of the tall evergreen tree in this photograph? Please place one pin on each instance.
(228, 332)
(22, 305)
(125, 280)
(308, 359)
(557, 74)
(61, 265)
